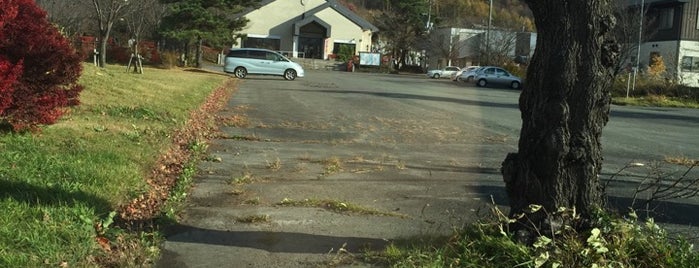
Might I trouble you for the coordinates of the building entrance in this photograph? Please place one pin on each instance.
(311, 43)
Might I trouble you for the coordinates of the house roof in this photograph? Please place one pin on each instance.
(361, 22)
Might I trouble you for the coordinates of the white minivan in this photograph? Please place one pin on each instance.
(244, 61)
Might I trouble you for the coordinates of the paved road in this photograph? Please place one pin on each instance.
(418, 156)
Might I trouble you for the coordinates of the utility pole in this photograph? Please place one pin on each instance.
(638, 50)
(487, 33)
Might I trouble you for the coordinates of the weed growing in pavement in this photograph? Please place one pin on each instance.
(238, 182)
(253, 201)
(681, 160)
(274, 165)
(332, 165)
(336, 206)
(253, 219)
(236, 120)
(400, 165)
(237, 191)
(245, 178)
(341, 256)
(241, 138)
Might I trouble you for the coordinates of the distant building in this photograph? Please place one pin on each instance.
(464, 47)
(306, 28)
(672, 32)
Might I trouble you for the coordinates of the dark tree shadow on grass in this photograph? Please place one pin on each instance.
(49, 196)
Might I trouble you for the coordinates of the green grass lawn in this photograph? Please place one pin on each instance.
(55, 185)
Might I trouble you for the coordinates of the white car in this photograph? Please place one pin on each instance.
(468, 76)
(446, 72)
(458, 75)
(244, 61)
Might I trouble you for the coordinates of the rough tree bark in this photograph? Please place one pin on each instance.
(564, 104)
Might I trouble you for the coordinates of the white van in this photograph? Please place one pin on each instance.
(244, 61)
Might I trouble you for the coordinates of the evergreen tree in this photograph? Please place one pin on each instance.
(403, 23)
(210, 21)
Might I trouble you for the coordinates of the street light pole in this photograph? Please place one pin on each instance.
(487, 33)
(638, 49)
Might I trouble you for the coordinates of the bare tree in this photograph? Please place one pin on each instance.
(499, 49)
(143, 18)
(106, 13)
(445, 45)
(565, 105)
(69, 16)
(661, 182)
(627, 31)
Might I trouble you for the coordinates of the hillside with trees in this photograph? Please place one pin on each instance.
(508, 14)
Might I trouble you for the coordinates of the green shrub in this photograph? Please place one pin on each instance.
(611, 241)
(345, 52)
(652, 87)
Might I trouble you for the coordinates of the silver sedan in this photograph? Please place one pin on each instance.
(497, 76)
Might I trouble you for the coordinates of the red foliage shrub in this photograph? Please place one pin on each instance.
(50, 67)
(8, 71)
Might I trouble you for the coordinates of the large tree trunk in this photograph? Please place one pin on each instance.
(565, 104)
(103, 50)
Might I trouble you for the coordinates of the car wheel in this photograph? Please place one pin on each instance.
(515, 85)
(435, 76)
(482, 83)
(240, 72)
(290, 74)
(469, 79)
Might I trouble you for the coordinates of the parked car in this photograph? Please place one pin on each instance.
(446, 72)
(468, 75)
(497, 76)
(244, 61)
(457, 76)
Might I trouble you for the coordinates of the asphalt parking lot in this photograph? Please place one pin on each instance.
(394, 156)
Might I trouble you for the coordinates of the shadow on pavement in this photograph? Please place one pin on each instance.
(416, 97)
(663, 116)
(283, 242)
(660, 211)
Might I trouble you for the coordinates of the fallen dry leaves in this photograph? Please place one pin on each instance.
(140, 212)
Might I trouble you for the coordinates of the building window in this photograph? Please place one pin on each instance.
(690, 64)
(666, 18)
(268, 43)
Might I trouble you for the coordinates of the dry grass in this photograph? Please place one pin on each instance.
(274, 165)
(253, 219)
(681, 160)
(332, 165)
